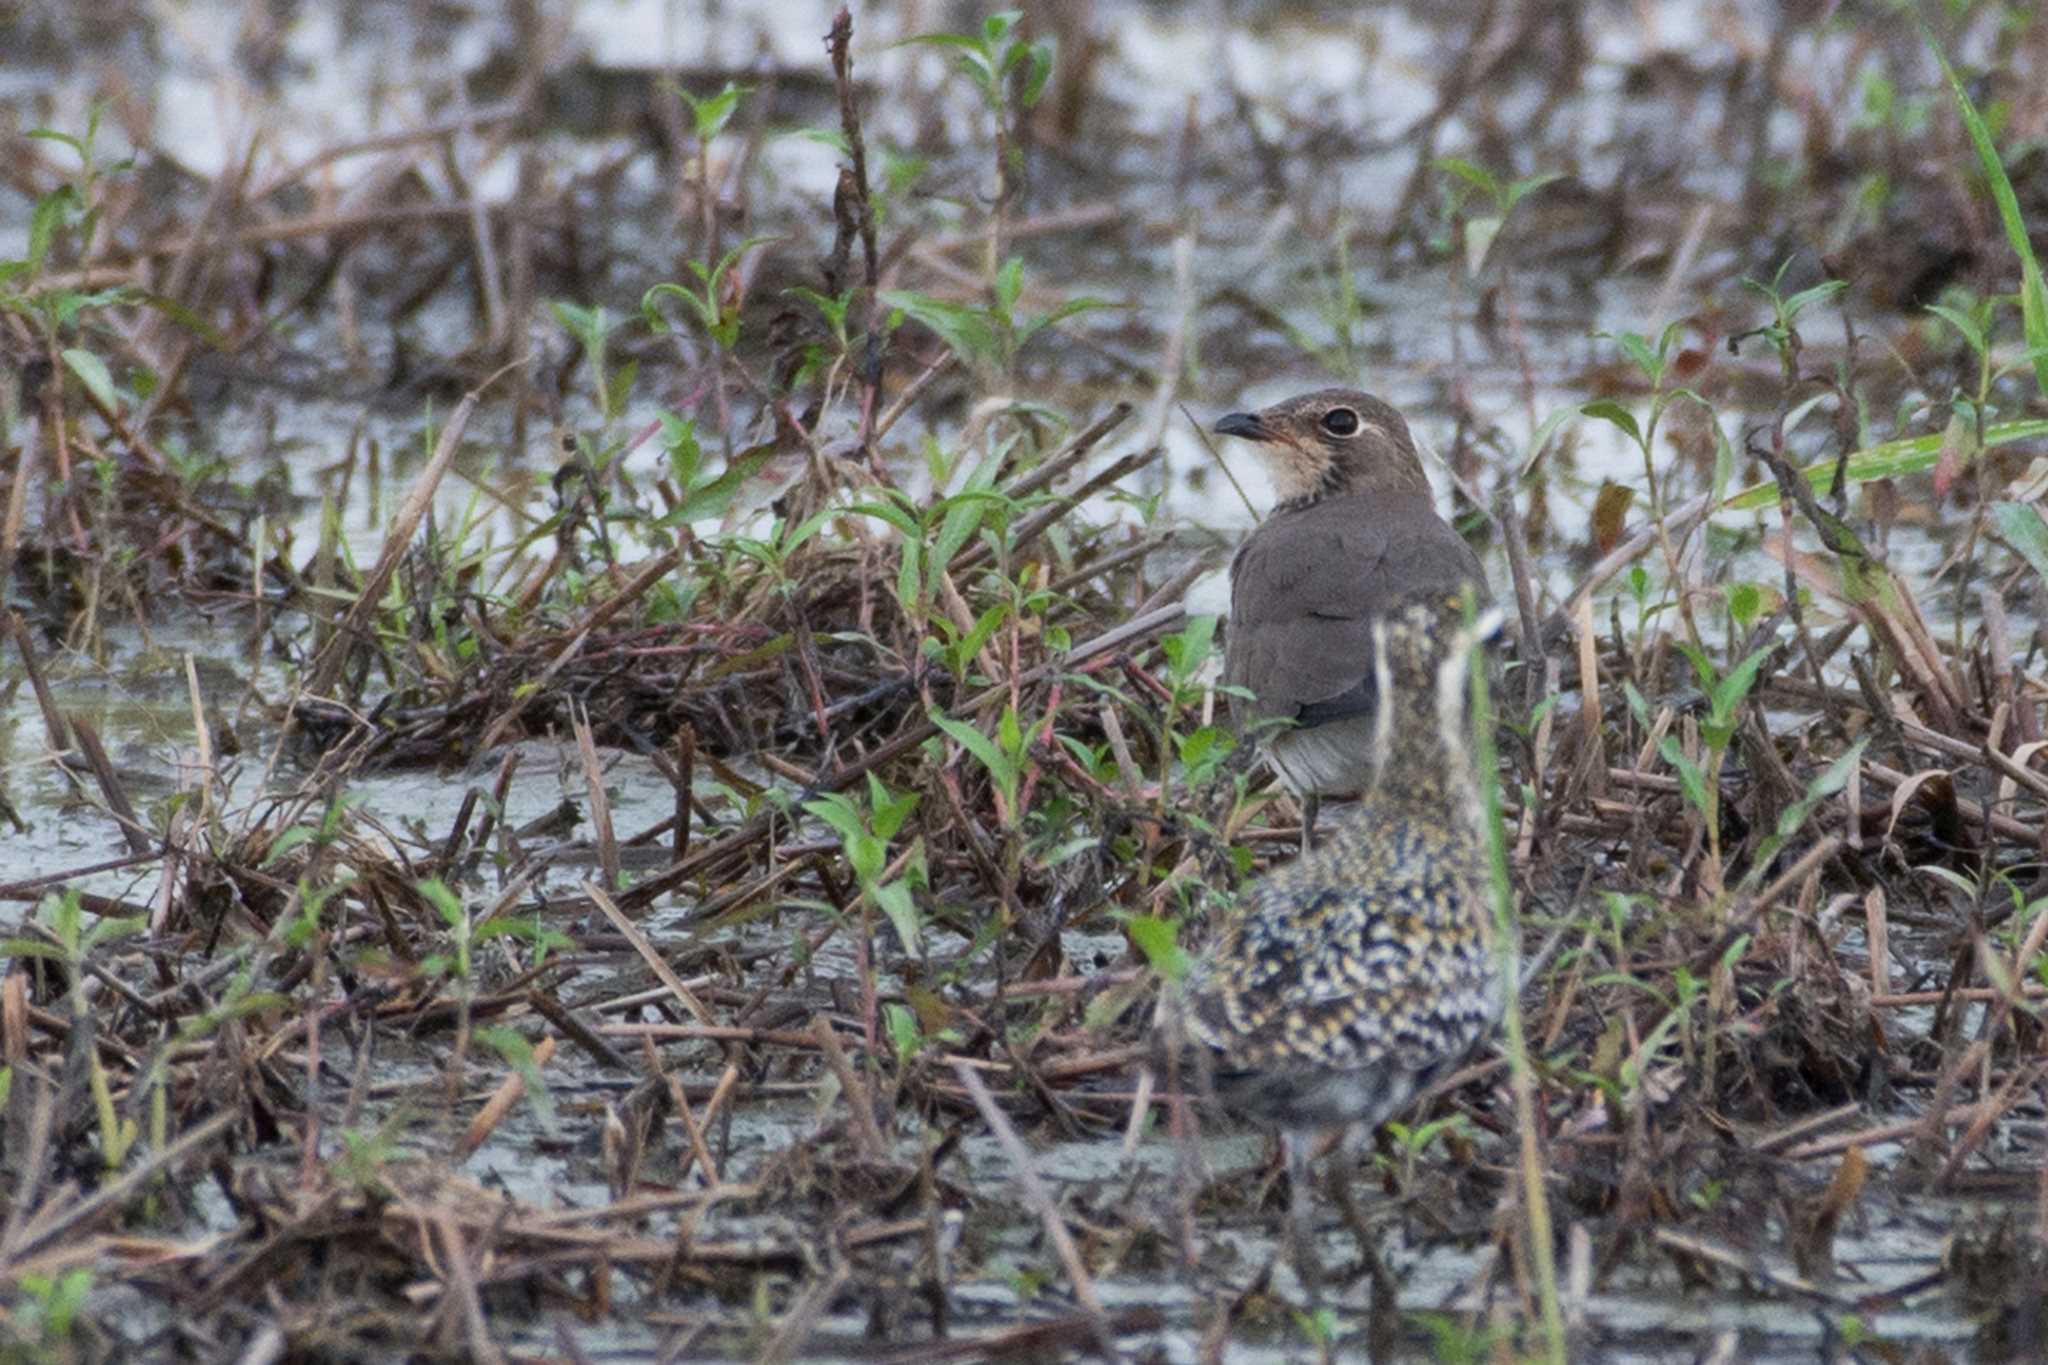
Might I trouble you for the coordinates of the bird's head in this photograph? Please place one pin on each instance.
(1423, 652)
(1331, 442)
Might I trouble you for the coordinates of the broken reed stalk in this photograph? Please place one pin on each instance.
(14, 512)
(636, 587)
(1039, 1199)
(859, 1104)
(327, 666)
(1138, 628)
(509, 1092)
(649, 954)
(600, 802)
(854, 212)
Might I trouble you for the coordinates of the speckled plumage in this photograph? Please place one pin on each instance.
(1356, 973)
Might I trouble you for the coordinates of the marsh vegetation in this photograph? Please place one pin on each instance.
(608, 710)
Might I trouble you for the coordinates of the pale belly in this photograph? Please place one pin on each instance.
(1324, 760)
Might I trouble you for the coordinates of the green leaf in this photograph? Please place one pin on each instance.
(1479, 234)
(1526, 186)
(897, 516)
(710, 114)
(838, 811)
(831, 309)
(1477, 176)
(996, 29)
(967, 331)
(67, 305)
(679, 440)
(52, 211)
(1068, 850)
(1009, 285)
(1188, 649)
(711, 498)
(1889, 460)
(1964, 324)
(1070, 308)
(830, 137)
(1691, 780)
(910, 577)
(2020, 526)
(999, 765)
(174, 310)
(1702, 666)
(1638, 707)
(657, 322)
(1090, 758)
(732, 255)
(896, 903)
(1637, 348)
(1724, 462)
(2033, 294)
(1954, 880)
(1539, 440)
(516, 1051)
(984, 626)
(618, 387)
(525, 930)
(889, 811)
(445, 902)
(1730, 691)
(108, 930)
(1197, 746)
(590, 326)
(954, 40)
(1159, 940)
(285, 843)
(1831, 780)
(1039, 55)
(901, 1025)
(250, 1005)
(1610, 411)
(1798, 303)
(92, 372)
(963, 518)
(805, 529)
(53, 135)
(1745, 604)
(865, 854)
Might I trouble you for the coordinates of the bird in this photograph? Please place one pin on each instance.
(1352, 976)
(1354, 529)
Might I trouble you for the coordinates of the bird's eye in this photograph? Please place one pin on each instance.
(1340, 422)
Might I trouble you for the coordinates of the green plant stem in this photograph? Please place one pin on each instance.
(1535, 1199)
(1717, 754)
(1657, 519)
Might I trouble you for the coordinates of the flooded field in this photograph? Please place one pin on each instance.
(610, 663)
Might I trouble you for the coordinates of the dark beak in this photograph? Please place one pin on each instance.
(1245, 424)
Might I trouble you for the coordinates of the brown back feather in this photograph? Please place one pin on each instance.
(1304, 589)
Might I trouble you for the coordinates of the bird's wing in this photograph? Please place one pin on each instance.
(1306, 585)
(1301, 978)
